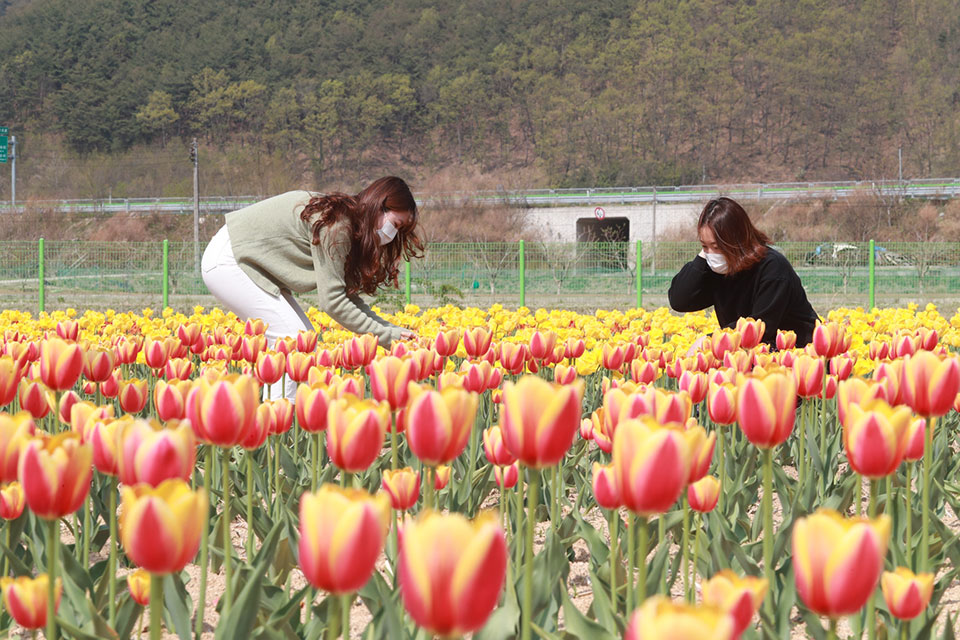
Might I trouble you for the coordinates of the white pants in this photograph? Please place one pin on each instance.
(241, 295)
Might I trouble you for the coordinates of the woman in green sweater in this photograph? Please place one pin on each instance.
(299, 241)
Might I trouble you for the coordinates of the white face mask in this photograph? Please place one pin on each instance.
(716, 261)
(387, 232)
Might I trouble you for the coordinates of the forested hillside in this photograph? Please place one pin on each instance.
(587, 92)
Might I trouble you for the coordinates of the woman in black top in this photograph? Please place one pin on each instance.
(741, 276)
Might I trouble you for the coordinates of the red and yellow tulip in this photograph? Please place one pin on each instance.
(139, 584)
(342, 532)
(151, 452)
(875, 437)
(539, 420)
(837, 561)
(55, 474)
(355, 432)
(221, 412)
(61, 363)
(766, 408)
(906, 594)
(661, 619)
(930, 383)
(12, 501)
(26, 599)
(451, 571)
(704, 494)
(652, 464)
(741, 597)
(161, 526)
(403, 487)
(439, 423)
(15, 431)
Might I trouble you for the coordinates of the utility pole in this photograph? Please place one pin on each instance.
(194, 157)
(653, 258)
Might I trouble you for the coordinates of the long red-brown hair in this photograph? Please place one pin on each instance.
(741, 243)
(369, 264)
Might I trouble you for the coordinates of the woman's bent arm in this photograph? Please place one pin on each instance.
(690, 289)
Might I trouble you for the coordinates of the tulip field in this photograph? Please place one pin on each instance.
(506, 474)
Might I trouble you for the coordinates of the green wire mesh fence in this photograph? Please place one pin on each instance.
(581, 276)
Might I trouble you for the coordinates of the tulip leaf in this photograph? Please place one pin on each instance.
(246, 605)
(100, 626)
(17, 564)
(578, 624)
(127, 615)
(814, 625)
(177, 605)
(948, 633)
(76, 632)
(601, 606)
(69, 565)
(381, 599)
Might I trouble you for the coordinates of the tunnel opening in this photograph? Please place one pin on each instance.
(603, 243)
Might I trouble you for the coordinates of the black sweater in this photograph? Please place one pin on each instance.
(770, 290)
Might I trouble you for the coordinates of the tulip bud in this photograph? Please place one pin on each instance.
(441, 476)
(26, 599)
(342, 532)
(446, 342)
(766, 408)
(270, 367)
(837, 561)
(476, 341)
(139, 584)
(874, 437)
(907, 594)
(312, 403)
(55, 474)
(355, 432)
(439, 423)
(808, 372)
(542, 344)
(12, 501)
(659, 618)
(830, 339)
(403, 487)
(36, 398)
(605, 489)
(98, 363)
(722, 403)
(704, 494)
(451, 571)
(299, 365)
(389, 377)
(740, 597)
(161, 527)
(751, 332)
(359, 351)
(221, 412)
(508, 476)
(170, 399)
(150, 452)
(494, 448)
(929, 384)
(133, 395)
(539, 420)
(15, 431)
(283, 412)
(652, 464)
(786, 340)
(61, 363)
(916, 439)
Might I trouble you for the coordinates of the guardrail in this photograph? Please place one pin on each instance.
(931, 188)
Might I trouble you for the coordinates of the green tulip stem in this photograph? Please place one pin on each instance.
(469, 467)
(631, 559)
(112, 558)
(642, 560)
(802, 452)
(86, 531)
(721, 465)
(315, 475)
(555, 494)
(696, 557)
(925, 505)
(533, 491)
(333, 627)
(614, 521)
(685, 550)
(204, 545)
(53, 530)
(661, 536)
(394, 458)
(908, 491)
(345, 614)
(156, 606)
(518, 529)
(6, 561)
(249, 457)
(276, 448)
(429, 490)
(227, 545)
(823, 429)
(768, 526)
(832, 633)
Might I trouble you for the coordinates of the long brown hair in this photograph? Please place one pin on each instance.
(369, 264)
(741, 243)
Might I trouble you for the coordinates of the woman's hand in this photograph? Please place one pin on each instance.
(407, 334)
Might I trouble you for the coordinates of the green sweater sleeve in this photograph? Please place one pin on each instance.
(350, 311)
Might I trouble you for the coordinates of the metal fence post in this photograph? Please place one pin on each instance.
(639, 274)
(872, 279)
(41, 275)
(166, 273)
(406, 281)
(523, 277)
